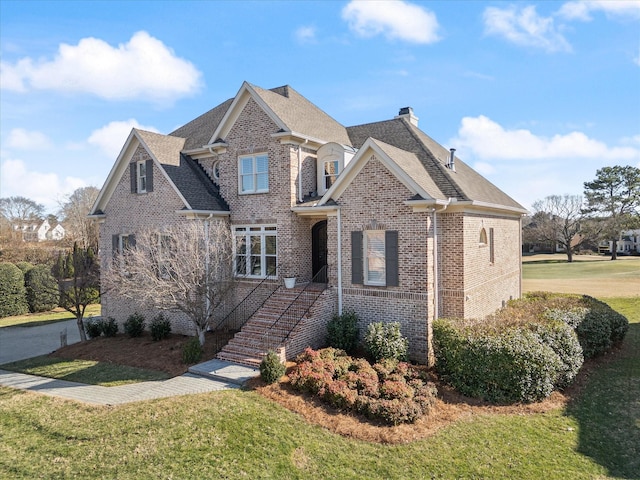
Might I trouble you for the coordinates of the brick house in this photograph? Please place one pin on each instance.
(377, 218)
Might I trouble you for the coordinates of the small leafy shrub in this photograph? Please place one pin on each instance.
(564, 342)
(271, 368)
(160, 327)
(342, 332)
(384, 340)
(392, 392)
(93, 327)
(134, 325)
(192, 351)
(109, 327)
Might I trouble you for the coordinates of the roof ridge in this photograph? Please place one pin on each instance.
(432, 157)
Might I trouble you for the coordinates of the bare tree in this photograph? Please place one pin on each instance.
(185, 268)
(77, 275)
(74, 212)
(18, 212)
(558, 220)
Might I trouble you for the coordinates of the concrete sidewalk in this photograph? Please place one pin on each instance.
(214, 375)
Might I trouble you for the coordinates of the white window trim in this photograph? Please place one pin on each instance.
(215, 171)
(254, 174)
(248, 233)
(365, 246)
(139, 177)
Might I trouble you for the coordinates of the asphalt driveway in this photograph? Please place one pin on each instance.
(18, 343)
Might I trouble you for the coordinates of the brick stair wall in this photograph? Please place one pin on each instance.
(248, 347)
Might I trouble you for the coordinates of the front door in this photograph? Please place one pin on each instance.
(319, 249)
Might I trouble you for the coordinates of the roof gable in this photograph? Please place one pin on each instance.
(404, 165)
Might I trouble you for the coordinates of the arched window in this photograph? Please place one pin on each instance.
(483, 237)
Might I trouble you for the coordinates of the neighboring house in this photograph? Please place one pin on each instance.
(396, 226)
(628, 243)
(40, 232)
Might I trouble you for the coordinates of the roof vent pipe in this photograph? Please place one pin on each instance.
(452, 162)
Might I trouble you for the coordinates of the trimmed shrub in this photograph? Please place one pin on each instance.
(393, 392)
(41, 289)
(342, 332)
(93, 327)
(160, 327)
(271, 368)
(12, 292)
(134, 325)
(109, 327)
(564, 342)
(24, 267)
(513, 366)
(384, 340)
(192, 351)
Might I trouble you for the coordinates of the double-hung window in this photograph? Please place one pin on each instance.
(374, 258)
(330, 173)
(253, 173)
(142, 177)
(255, 250)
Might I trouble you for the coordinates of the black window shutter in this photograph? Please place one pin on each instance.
(115, 244)
(149, 175)
(132, 240)
(357, 265)
(391, 257)
(134, 177)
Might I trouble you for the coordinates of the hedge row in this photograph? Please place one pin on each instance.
(526, 350)
(391, 391)
(26, 288)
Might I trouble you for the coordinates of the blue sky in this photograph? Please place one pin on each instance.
(535, 95)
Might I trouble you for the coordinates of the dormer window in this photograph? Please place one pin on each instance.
(332, 159)
(331, 171)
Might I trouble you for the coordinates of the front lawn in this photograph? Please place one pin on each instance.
(240, 434)
(43, 318)
(84, 371)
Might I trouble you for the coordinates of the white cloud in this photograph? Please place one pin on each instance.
(142, 68)
(45, 188)
(306, 34)
(22, 139)
(486, 139)
(395, 19)
(523, 26)
(110, 138)
(581, 10)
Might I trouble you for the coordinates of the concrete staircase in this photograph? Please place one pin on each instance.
(249, 345)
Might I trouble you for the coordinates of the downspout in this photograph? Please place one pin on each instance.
(206, 262)
(436, 262)
(339, 261)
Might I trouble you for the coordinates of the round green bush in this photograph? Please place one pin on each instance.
(271, 368)
(93, 327)
(13, 299)
(192, 351)
(160, 327)
(134, 325)
(41, 289)
(562, 339)
(501, 367)
(109, 327)
(384, 340)
(342, 332)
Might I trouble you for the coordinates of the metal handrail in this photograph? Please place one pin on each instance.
(243, 311)
(297, 310)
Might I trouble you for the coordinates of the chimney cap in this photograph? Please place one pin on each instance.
(405, 111)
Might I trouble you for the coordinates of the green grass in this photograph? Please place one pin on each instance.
(37, 319)
(239, 434)
(604, 268)
(84, 371)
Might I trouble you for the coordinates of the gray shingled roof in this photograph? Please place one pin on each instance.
(165, 148)
(463, 184)
(302, 116)
(198, 132)
(195, 186)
